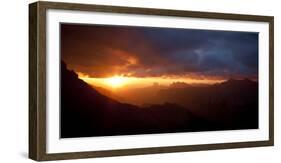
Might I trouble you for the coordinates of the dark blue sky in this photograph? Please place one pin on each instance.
(102, 51)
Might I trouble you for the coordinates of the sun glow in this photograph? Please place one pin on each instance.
(116, 81)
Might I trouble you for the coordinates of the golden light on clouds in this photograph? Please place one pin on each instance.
(121, 82)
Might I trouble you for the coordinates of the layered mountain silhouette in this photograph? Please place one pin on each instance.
(87, 111)
(233, 103)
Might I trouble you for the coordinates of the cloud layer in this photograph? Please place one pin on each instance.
(102, 51)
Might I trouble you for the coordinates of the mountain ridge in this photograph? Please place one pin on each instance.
(85, 113)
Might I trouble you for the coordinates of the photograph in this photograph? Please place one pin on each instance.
(108, 80)
(128, 80)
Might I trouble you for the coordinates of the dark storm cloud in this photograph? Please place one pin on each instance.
(142, 51)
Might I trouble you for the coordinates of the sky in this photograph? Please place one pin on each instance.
(99, 51)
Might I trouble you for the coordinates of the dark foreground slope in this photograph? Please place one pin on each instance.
(85, 112)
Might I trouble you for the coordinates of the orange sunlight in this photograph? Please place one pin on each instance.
(118, 82)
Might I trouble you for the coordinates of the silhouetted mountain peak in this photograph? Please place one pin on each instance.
(249, 80)
(179, 85)
(63, 65)
(70, 73)
(238, 81)
(231, 80)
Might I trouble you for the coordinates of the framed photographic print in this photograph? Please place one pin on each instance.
(112, 81)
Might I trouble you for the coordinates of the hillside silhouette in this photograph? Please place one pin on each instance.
(85, 112)
(233, 103)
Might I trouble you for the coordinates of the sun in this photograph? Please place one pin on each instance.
(116, 81)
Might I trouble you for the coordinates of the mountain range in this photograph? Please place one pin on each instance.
(87, 111)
